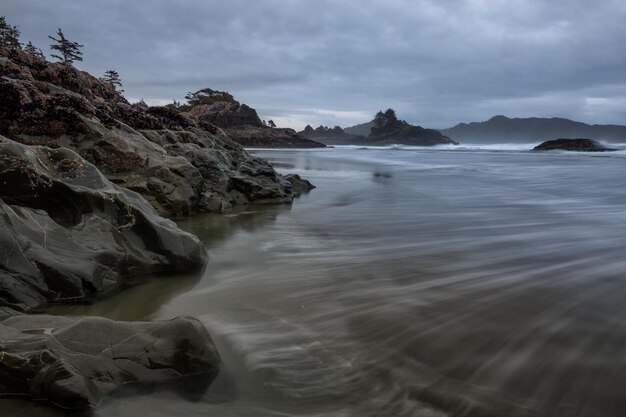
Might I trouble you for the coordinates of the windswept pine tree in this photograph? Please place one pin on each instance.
(70, 51)
(141, 104)
(112, 77)
(9, 35)
(207, 96)
(33, 50)
(271, 124)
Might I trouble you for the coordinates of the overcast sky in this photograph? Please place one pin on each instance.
(337, 62)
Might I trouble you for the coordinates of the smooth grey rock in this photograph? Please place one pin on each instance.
(68, 233)
(74, 362)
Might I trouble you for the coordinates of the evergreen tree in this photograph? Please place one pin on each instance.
(390, 115)
(70, 51)
(112, 77)
(9, 35)
(380, 120)
(33, 50)
(208, 96)
(141, 104)
(271, 123)
(174, 104)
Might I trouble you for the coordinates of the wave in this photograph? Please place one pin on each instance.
(508, 147)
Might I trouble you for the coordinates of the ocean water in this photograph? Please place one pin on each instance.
(454, 281)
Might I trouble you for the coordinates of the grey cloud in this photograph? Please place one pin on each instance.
(330, 61)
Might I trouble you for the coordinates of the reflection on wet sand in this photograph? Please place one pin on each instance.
(154, 292)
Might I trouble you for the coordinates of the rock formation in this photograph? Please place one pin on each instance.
(84, 180)
(331, 136)
(73, 362)
(580, 145)
(179, 164)
(382, 131)
(389, 130)
(242, 124)
(67, 233)
(226, 114)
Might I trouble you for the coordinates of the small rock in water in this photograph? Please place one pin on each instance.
(579, 145)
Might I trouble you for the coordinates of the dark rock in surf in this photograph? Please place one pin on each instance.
(74, 362)
(299, 185)
(578, 145)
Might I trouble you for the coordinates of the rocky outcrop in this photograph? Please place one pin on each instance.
(180, 164)
(266, 137)
(226, 114)
(331, 136)
(402, 133)
(388, 132)
(242, 124)
(69, 234)
(298, 184)
(73, 363)
(579, 145)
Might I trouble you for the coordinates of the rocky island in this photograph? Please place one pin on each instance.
(577, 145)
(87, 182)
(331, 136)
(386, 129)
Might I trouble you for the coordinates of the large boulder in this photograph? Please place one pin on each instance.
(74, 362)
(579, 145)
(67, 233)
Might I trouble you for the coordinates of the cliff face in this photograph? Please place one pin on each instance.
(180, 164)
(226, 114)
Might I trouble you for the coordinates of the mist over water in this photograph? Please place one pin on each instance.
(411, 282)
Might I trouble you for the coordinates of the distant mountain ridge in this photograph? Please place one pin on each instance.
(362, 129)
(534, 129)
